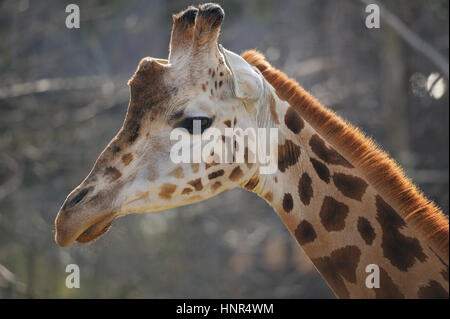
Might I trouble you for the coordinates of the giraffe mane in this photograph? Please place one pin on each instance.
(384, 174)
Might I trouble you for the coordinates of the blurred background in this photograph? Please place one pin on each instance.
(63, 96)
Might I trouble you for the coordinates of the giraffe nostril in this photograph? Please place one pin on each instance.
(76, 198)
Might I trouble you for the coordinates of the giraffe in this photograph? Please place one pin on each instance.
(346, 202)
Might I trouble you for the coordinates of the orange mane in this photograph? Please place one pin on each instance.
(382, 172)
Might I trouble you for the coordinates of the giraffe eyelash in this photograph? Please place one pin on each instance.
(188, 123)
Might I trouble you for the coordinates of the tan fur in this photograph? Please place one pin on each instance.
(334, 188)
(379, 169)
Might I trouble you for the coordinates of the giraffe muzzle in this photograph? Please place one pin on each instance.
(69, 228)
(85, 215)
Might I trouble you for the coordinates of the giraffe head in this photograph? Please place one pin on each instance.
(201, 83)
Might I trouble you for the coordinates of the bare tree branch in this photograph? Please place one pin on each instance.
(15, 180)
(412, 39)
(7, 278)
(57, 84)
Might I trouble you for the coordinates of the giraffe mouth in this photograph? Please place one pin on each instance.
(69, 231)
(97, 229)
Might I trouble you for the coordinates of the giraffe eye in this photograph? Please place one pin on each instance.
(200, 123)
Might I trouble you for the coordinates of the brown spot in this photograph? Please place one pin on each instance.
(269, 196)
(186, 191)
(275, 179)
(252, 183)
(273, 110)
(133, 131)
(288, 202)
(305, 189)
(213, 73)
(152, 175)
(213, 163)
(293, 121)
(216, 174)
(288, 155)
(366, 230)
(215, 186)
(305, 233)
(340, 265)
(236, 174)
(215, 85)
(235, 150)
(204, 87)
(195, 167)
(167, 190)
(220, 83)
(351, 186)
(221, 73)
(333, 214)
(399, 249)
(327, 154)
(433, 290)
(177, 172)
(112, 172)
(235, 121)
(197, 184)
(388, 289)
(212, 93)
(227, 123)
(321, 169)
(246, 158)
(127, 158)
(115, 149)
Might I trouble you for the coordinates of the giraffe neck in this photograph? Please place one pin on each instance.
(349, 231)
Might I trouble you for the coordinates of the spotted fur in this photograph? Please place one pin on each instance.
(333, 214)
(339, 266)
(422, 214)
(305, 233)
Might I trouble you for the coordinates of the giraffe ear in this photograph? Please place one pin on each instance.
(247, 83)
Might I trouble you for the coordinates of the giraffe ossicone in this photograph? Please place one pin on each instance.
(345, 202)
